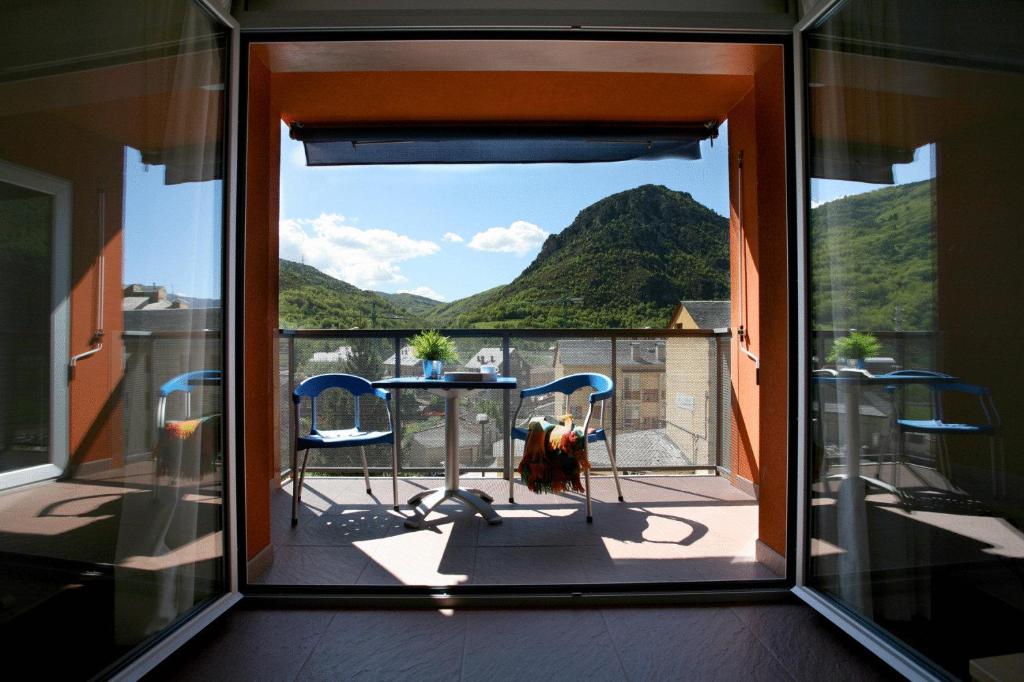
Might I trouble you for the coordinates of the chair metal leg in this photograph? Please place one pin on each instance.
(366, 470)
(615, 468)
(394, 475)
(295, 486)
(512, 472)
(897, 460)
(586, 483)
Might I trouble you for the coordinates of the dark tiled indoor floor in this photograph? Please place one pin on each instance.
(765, 641)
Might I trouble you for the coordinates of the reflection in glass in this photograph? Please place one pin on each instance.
(26, 221)
(915, 141)
(110, 355)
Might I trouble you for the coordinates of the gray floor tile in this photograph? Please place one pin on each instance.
(532, 565)
(298, 565)
(809, 646)
(250, 645)
(389, 645)
(539, 645)
(689, 643)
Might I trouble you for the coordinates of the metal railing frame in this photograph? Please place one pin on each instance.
(505, 336)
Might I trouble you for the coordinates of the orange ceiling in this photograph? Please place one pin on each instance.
(504, 96)
(495, 80)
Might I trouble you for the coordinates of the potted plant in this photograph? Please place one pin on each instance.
(434, 349)
(851, 350)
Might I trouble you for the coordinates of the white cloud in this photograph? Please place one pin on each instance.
(519, 238)
(426, 292)
(452, 237)
(298, 155)
(366, 258)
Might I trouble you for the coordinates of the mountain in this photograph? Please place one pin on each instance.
(416, 305)
(873, 257)
(625, 261)
(310, 299)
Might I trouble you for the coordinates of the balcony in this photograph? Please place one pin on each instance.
(682, 519)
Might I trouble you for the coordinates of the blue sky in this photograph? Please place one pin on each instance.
(451, 231)
(921, 168)
(441, 231)
(172, 234)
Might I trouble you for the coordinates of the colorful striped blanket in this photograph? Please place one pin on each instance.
(555, 456)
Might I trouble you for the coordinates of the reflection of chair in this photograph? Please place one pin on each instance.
(184, 428)
(184, 383)
(344, 438)
(938, 426)
(603, 388)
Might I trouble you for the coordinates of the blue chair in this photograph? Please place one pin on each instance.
(604, 388)
(342, 438)
(938, 426)
(183, 383)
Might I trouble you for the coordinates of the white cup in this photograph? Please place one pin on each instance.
(489, 369)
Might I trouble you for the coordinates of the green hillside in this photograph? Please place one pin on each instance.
(310, 299)
(419, 306)
(627, 260)
(873, 256)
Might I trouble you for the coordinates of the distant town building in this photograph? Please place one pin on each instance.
(639, 378)
(334, 357)
(493, 356)
(406, 359)
(693, 391)
(700, 315)
(149, 297)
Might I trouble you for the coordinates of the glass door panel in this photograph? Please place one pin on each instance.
(112, 225)
(915, 500)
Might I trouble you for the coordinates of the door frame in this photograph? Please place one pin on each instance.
(60, 319)
(190, 625)
(884, 645)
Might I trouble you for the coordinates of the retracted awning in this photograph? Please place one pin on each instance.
(342, 146)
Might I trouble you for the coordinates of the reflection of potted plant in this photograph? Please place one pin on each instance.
(434, 349)
(851, 350)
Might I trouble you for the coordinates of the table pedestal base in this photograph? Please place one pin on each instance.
(429, 500)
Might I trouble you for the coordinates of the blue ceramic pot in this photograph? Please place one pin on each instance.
(433, 369)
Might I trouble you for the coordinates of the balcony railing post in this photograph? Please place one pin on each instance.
(397, 416)
(291, 387)
(615, 409)
(718, 401)
(506, 426)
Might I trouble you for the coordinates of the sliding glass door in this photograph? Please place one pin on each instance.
(914, 491)
(35, 234)
(113, 205)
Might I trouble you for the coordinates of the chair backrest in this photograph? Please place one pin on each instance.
(602, 385)
(917, 373)
(940, 388)
(186, 382)
(313, 386)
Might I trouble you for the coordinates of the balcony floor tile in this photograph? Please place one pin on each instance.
(669, 529)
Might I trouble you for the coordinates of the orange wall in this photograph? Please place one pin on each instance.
(260, 318)
(760, 421)
(57, 145)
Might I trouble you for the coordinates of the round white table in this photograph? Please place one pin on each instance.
(426, 501)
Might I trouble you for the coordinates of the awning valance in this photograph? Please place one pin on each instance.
(337, 146)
